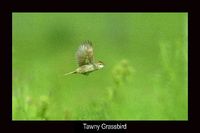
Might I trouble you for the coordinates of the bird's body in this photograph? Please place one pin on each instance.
(85, 59)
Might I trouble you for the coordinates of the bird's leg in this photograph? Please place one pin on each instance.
(86, 73)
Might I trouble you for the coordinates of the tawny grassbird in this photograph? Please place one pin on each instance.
(85, 60)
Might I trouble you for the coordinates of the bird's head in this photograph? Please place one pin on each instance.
(100, 64)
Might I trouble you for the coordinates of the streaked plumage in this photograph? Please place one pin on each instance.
(84, 53)
(85, 58)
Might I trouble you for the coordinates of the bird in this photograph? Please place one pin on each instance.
(85, 59)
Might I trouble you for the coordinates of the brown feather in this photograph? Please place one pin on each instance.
(84, 53)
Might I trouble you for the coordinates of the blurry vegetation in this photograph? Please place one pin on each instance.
(145, 75)
(121, 72)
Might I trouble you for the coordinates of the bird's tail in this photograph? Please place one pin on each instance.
(73, 72)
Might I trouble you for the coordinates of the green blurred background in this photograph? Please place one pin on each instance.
(145, 75)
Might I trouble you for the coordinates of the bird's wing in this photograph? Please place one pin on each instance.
(84, 53)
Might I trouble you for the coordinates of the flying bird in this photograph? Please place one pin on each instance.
(85, 58)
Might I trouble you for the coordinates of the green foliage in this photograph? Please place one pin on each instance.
(121, 72)
(145, 75)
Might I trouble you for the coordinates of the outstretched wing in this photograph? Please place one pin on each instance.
(84, 53)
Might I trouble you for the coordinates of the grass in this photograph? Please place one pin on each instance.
(145, 75)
